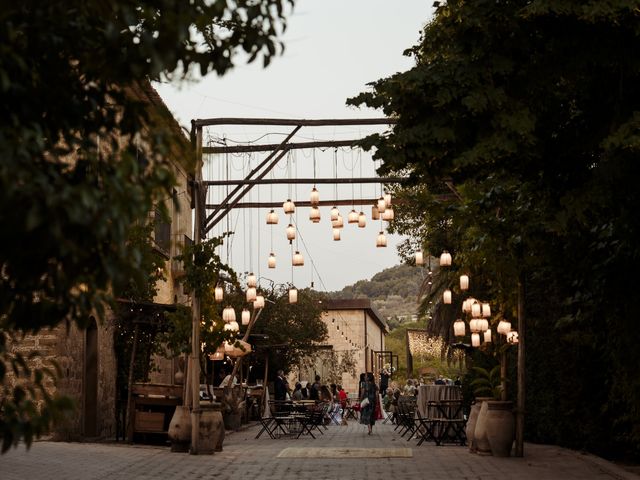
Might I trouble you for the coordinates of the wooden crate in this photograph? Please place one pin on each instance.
(149, 422)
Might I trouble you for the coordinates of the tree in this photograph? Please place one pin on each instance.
(528, 110)
(83, 158)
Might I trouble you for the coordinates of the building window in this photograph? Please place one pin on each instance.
(162, 232)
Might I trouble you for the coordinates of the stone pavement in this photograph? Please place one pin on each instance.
(244, 457)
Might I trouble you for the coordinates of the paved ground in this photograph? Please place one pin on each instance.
(246, 458)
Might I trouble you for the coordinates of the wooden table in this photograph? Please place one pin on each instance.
(151, 408)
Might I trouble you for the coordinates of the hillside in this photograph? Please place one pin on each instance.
(393, 292)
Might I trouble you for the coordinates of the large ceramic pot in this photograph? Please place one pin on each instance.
(180, 429)
(500, 426)
(471, 422)
(480, 432)
(211, 431)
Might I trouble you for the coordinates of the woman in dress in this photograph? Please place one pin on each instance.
(370, 392)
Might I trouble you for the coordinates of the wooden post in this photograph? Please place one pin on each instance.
(195, 306)
(521, 370)
(128, 426)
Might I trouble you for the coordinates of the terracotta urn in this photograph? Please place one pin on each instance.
(471, 422)
(480, 432)
(500, 426)
(211, 429)
(180, 429)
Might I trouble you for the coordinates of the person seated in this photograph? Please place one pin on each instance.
(226, 382)
(342, 396)
(409, 388)
(387, 400)
(440, 381)
(325, 394)
(297, 392)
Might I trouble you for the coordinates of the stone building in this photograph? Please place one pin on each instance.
(353, 326)
(87, 358)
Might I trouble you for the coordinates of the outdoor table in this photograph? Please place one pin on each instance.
(435, 393)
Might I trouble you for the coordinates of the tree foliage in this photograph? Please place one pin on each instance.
(529, 110)
(83, 159)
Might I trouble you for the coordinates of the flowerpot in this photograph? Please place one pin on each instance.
(500, 426)
(180, 429)
(211, 431)
(480, 432)
(471, 422)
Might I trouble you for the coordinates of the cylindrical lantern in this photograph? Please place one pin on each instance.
(504, 327)
(483, 324)
(228, 314)
(419, 258)
(218, 294)
(259, 302)
(272, 218)
(382, 205)
(476, 310)
(291, 232)
(487, 336)
(486, 310)
(293, 295)
(387, 199)
(314, 198)
(234, 327)
(218, 354)
(272, 260)
(475, 339)
(446, 297)
(464, 282)
(289, 207)
(252, 281)
(466, 305)
(246, 316)
(474, 325)
(512, 337)
(445, 259)
(298, 259)
(352, 217)
(314, 214)
(388, 214)
(336, 234)
(334, 213)
(458, 328)
(338, 222)
(375, 213)
(251, 294)
(362, 220)
(227, 327)
(381, 241)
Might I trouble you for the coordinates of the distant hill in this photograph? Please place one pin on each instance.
(393, 293)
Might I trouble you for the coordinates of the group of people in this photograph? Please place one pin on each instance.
(309, 391)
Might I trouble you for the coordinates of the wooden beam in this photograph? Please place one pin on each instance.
(293, 122)
(270, 146)
(301, 181)
(323, 203)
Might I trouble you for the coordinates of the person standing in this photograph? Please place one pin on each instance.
(368, 412)
(314, 393)
(280, 387)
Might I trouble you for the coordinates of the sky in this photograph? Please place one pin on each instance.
(332, 50)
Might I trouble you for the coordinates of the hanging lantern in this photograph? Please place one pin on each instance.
(446, 297)
(218, 354)
(458, 328)
(272, 218)
(387, 199)
(487, 336)
(252, 281)
(512, 337)
(293, 295)
(483, 324)
(382, 205)
(474, 325)
(336, 234)
(251, 294)
(419, 258)
(234, 351)
(476, 310)
(338, 222)
(388, 214)
(464, 282)
(466, 305)
(227, 327)
(445, 259)
(352, 217)
(475, 339)
(218, 294)
(259, 302)
(314, 214)
(362, 220)
(298, 259)
(289, 207)
(272, 260)
(334, 213)
(245, 316)
(375, 213)
(381, 241)
(291, 232)
(504, 327)
(486, 310)
(228, 314)
(234, 327)
(314, 197)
